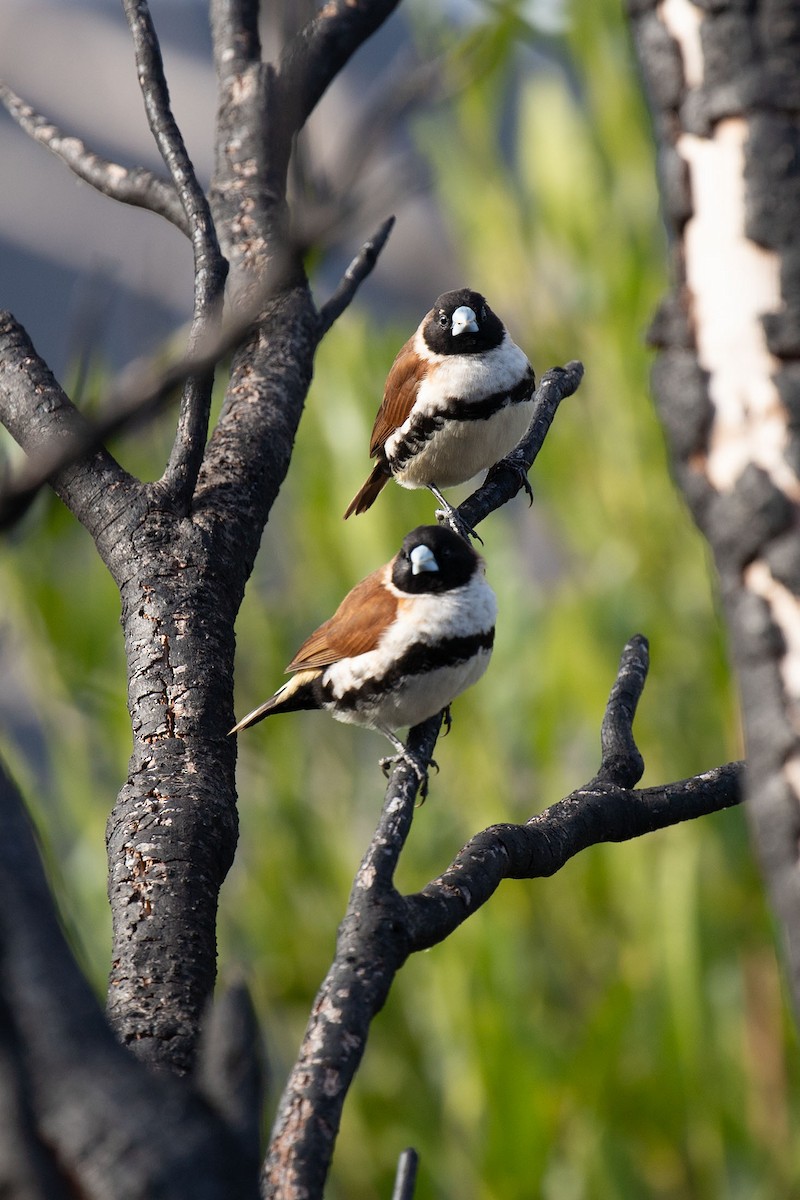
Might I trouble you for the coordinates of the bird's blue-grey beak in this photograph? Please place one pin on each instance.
(464, 321)
(422, 559)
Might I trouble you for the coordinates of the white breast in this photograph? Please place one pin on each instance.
(464, 612)
(469, 377)
(460, 449)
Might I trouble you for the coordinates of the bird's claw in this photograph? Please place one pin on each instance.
(526, 483)
(451, 517)
(447, 719)
(391, 760)
(517, 468)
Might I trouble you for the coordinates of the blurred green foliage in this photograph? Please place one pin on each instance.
(618, 1030)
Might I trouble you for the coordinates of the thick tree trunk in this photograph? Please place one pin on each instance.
(172, 833)
(724, 90)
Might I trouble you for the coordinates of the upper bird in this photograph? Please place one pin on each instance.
(402, 644)
(458, 398)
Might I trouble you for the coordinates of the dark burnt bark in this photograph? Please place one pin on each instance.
(382, 927)
(91, 1118)
(724, 91)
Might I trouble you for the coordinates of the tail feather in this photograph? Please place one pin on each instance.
(299, 693)
(368, 494)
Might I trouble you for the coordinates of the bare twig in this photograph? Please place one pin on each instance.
(146, 386)
(129, 185)
(354, 276)
(301, 1148)
(381, 927)
(622, 764)
(140, 392)
(508, 476)
(210, 268)
(606, 809)
(406, 1178)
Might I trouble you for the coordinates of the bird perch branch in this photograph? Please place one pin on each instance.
(381, 927)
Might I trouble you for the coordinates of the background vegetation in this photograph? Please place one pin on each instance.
(618, 1030)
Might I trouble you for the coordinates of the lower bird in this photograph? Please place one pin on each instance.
(458, 398)
(402, 644)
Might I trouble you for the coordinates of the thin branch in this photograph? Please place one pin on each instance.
(354, 276)
(621, 761)
(406, 1178)
(316, 55)
(231, 1069)
(509, 476)
(144, 388)
(41, 418)
(380, 861)
(381, 927)
(167, 135)
(301, 1148)
(587, 817)
(606, 809)
(210, 268)
(139, 393)
(129, 185)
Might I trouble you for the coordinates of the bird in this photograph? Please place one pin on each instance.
(406, 641)
(458, 398)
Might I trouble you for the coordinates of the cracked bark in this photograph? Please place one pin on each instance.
(724, 92)
(180, 552)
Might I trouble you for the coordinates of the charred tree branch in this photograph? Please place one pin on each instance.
(210, 268)
(510, 475)
(41, 418)
(316, 55)
(129, 185)
(722, 88)
(102, 1115)
(381, 927)
(354, 276)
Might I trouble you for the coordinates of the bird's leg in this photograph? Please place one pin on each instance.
(406, 756)
(451, 516)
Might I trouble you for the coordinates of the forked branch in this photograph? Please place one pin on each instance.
(210, 268)
(381, 927)
(129, 185)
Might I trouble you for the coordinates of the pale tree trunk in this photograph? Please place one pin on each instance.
(723, 81)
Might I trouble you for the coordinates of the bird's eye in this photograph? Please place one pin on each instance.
(443, 320)
(483, 313)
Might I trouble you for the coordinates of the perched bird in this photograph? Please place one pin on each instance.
(458, 398)
(402, 644)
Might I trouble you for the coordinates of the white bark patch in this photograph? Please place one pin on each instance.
(733, 282)
(682, 19)
(785, 613)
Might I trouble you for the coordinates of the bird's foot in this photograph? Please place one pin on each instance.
(451, 516)
(447, 719)
(388, 763)
(513, 464)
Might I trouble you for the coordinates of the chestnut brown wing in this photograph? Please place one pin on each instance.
(354, 628)
(408, 371)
